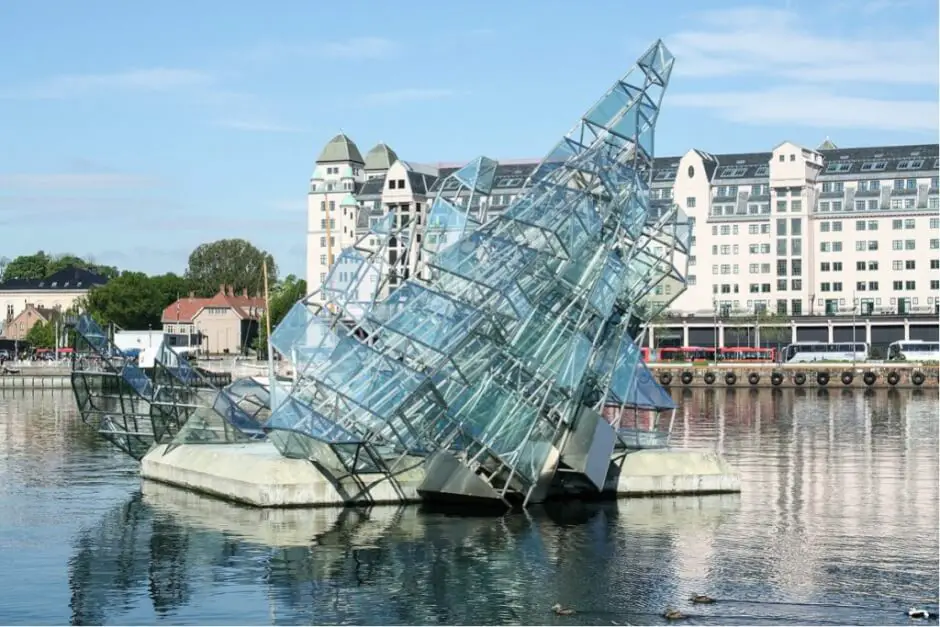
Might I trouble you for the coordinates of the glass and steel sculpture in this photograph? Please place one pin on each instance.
(176, 403)
(492, 351)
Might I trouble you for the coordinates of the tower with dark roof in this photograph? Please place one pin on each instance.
(379, 159)
(331, 205)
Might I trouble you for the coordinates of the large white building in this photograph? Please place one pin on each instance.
(793, 231)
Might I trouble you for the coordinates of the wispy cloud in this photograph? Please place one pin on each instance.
(801, 106)
(140, 80)
(784, 73)
(401, 96)
(355, 48)
(75, 181)
(257, 125)
(775, 43)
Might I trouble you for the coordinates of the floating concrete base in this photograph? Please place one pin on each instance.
(256, 474)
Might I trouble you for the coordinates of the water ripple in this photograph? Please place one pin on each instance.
(836, 524)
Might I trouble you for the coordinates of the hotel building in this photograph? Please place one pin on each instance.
(793, 231)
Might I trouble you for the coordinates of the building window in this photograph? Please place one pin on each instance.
(824, 227)
(796, 206)
(910, 264)
(860, 286)
(824, 287)
(690, 202)
(909, 244)
(935, 284)
(837, 266)
(781, 227)
(837, 226)
(873, 286)
(910, 285)
(872, 266)
(934, 244)
(898, 285)
(796, 284)
(935, 264)
(824, 266)
(860, 265)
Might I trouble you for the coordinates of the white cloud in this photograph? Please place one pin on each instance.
(774, 43)
(802, 106)
(400, 96)
(355, 48)
(257, 125)
(75, 181)
(145, 80)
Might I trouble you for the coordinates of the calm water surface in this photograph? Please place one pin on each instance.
(837, 524)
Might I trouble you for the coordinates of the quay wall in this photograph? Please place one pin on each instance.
(819, 374)
(666, 373)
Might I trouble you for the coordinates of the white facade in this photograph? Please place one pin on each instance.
(795, 231)
(799, 231)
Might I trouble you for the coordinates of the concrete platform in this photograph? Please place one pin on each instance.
(256, 474)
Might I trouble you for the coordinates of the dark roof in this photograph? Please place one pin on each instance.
(508, 176)
(420, 183)
(850, 161)
(70, 278)
(340, 149)
(373, 186)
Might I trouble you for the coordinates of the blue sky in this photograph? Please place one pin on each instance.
(132, 132)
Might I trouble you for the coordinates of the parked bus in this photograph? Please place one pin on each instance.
(686, 354)
(914, 350)
(802, 352)
(747, 354)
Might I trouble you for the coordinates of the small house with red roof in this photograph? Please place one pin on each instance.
(226, 323)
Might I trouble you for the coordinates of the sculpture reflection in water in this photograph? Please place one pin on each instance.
(498, 351)
(168, 552)
(175, 403)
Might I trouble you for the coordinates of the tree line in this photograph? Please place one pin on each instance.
(135, 300)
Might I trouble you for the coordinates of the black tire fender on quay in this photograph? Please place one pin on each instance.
(869, 378)
(665, 378)
(687, 377)
(847, 378)
(709, 377)
(776, 378)
(822, 378)
(799, 378)
(893, 378)
(753, 378)
(917, 378)
(731, 378)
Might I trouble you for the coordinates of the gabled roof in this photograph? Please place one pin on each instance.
(340, 149)
(70, 278)
(185, 309)
(381, 157)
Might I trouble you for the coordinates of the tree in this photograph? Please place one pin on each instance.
(234, 262)
(42, 265)
(42, 335)
(282, 298)
(28, 267)
(61, 262)
(774, 329)
(132, 301)
(171, 287)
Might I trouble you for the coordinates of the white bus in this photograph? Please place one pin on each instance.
(802, 352)
(914, 350)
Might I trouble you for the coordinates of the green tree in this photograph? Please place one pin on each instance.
(282, 298)
(171, 287)
(29, 267)
(42, 335)
(42, 265)
(132, 301)
(234, 262)
(61, 262)
(774, 329)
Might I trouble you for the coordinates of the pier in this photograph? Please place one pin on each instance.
(818, 374)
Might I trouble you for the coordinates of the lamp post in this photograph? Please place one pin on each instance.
(715, 354)
(854, 353)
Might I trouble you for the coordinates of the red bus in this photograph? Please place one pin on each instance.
(645, 354)
(687, 354)
(748, 354)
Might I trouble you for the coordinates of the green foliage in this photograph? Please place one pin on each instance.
(30, 267)
(42, 335)
(282, 298)
(134, 300)
(42, 265)
(234, 262)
